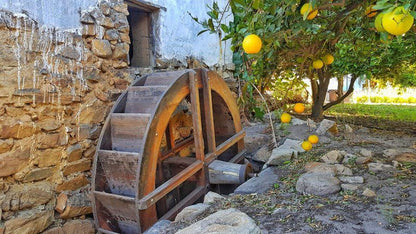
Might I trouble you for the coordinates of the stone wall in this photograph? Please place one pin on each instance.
(56, 89)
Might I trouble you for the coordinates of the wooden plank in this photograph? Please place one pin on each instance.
(163, 78)
(121, 209)
(169, 185)
(196, 117)
(209, 116)
(143, 99)
(127, 131)
(188, 200)
(180, 146)
(225, 145)
(119, 171)
(179, 161)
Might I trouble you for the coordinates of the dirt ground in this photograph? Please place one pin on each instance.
(393, 210)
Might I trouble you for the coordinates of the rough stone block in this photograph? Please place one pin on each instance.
(74, 152)
(31, 224)
(73, 184)
(73, 204)
(111, 35)
(6, 145)
(16, 159)
(77, 166)
(101, 48)
(24, 196)
(121, 51)
(39, 174)
(16, 129)
(88, 30)
(49, 157)
(79, 227)
(51, 140)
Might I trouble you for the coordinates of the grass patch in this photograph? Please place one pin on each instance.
(380, 112)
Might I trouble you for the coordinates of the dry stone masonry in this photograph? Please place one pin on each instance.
(56, 88)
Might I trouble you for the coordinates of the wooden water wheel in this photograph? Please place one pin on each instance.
(144, 170)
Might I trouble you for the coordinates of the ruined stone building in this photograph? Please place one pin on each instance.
(62, 66)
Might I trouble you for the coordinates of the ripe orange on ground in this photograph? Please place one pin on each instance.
(299, 108)
(285, 118)
(252, 44)
(313, 139)
(318, 64)
(397, 22)
(306, 145)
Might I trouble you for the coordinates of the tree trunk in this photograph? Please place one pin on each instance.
(340, 91)
(319, 91)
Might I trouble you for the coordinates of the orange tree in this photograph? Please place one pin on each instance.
(293, 41)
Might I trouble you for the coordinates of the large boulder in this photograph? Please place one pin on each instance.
(317, 184)
(224, 221)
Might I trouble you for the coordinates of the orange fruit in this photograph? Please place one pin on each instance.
(285, 118)
(370, 12)
(397, 22)
(313, 139)
(312, 15)
(318, 64)
(307, 8)
(299, 108)
(378, 24)
(252, 44)
(306, 145)
(328, 59)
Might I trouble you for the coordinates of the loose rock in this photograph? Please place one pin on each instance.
(224, 221)
(369, 193)
(349, 187)
(320, 168)
(191, 212)
(263, 154)
(261, 184)
(343, 170)
(366, 153)
(211, 197)
(317, 184)
(332, 157)
(377, 167)
(324, 126)
(352, 179)
(280, 155)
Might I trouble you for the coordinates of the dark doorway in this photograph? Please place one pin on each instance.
(141, 37)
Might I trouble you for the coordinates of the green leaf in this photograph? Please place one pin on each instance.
(256, 4)
(224, 28)
(211, 25)
(202, 32)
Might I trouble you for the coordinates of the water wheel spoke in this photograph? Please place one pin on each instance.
(151, 198)
(225, 145)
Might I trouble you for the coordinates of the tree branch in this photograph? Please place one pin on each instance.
(340, 99)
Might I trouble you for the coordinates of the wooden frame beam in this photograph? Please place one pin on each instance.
(161, 191)
(224, 146)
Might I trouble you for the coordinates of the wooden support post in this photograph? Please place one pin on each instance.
(209, 116)
(196, 119)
